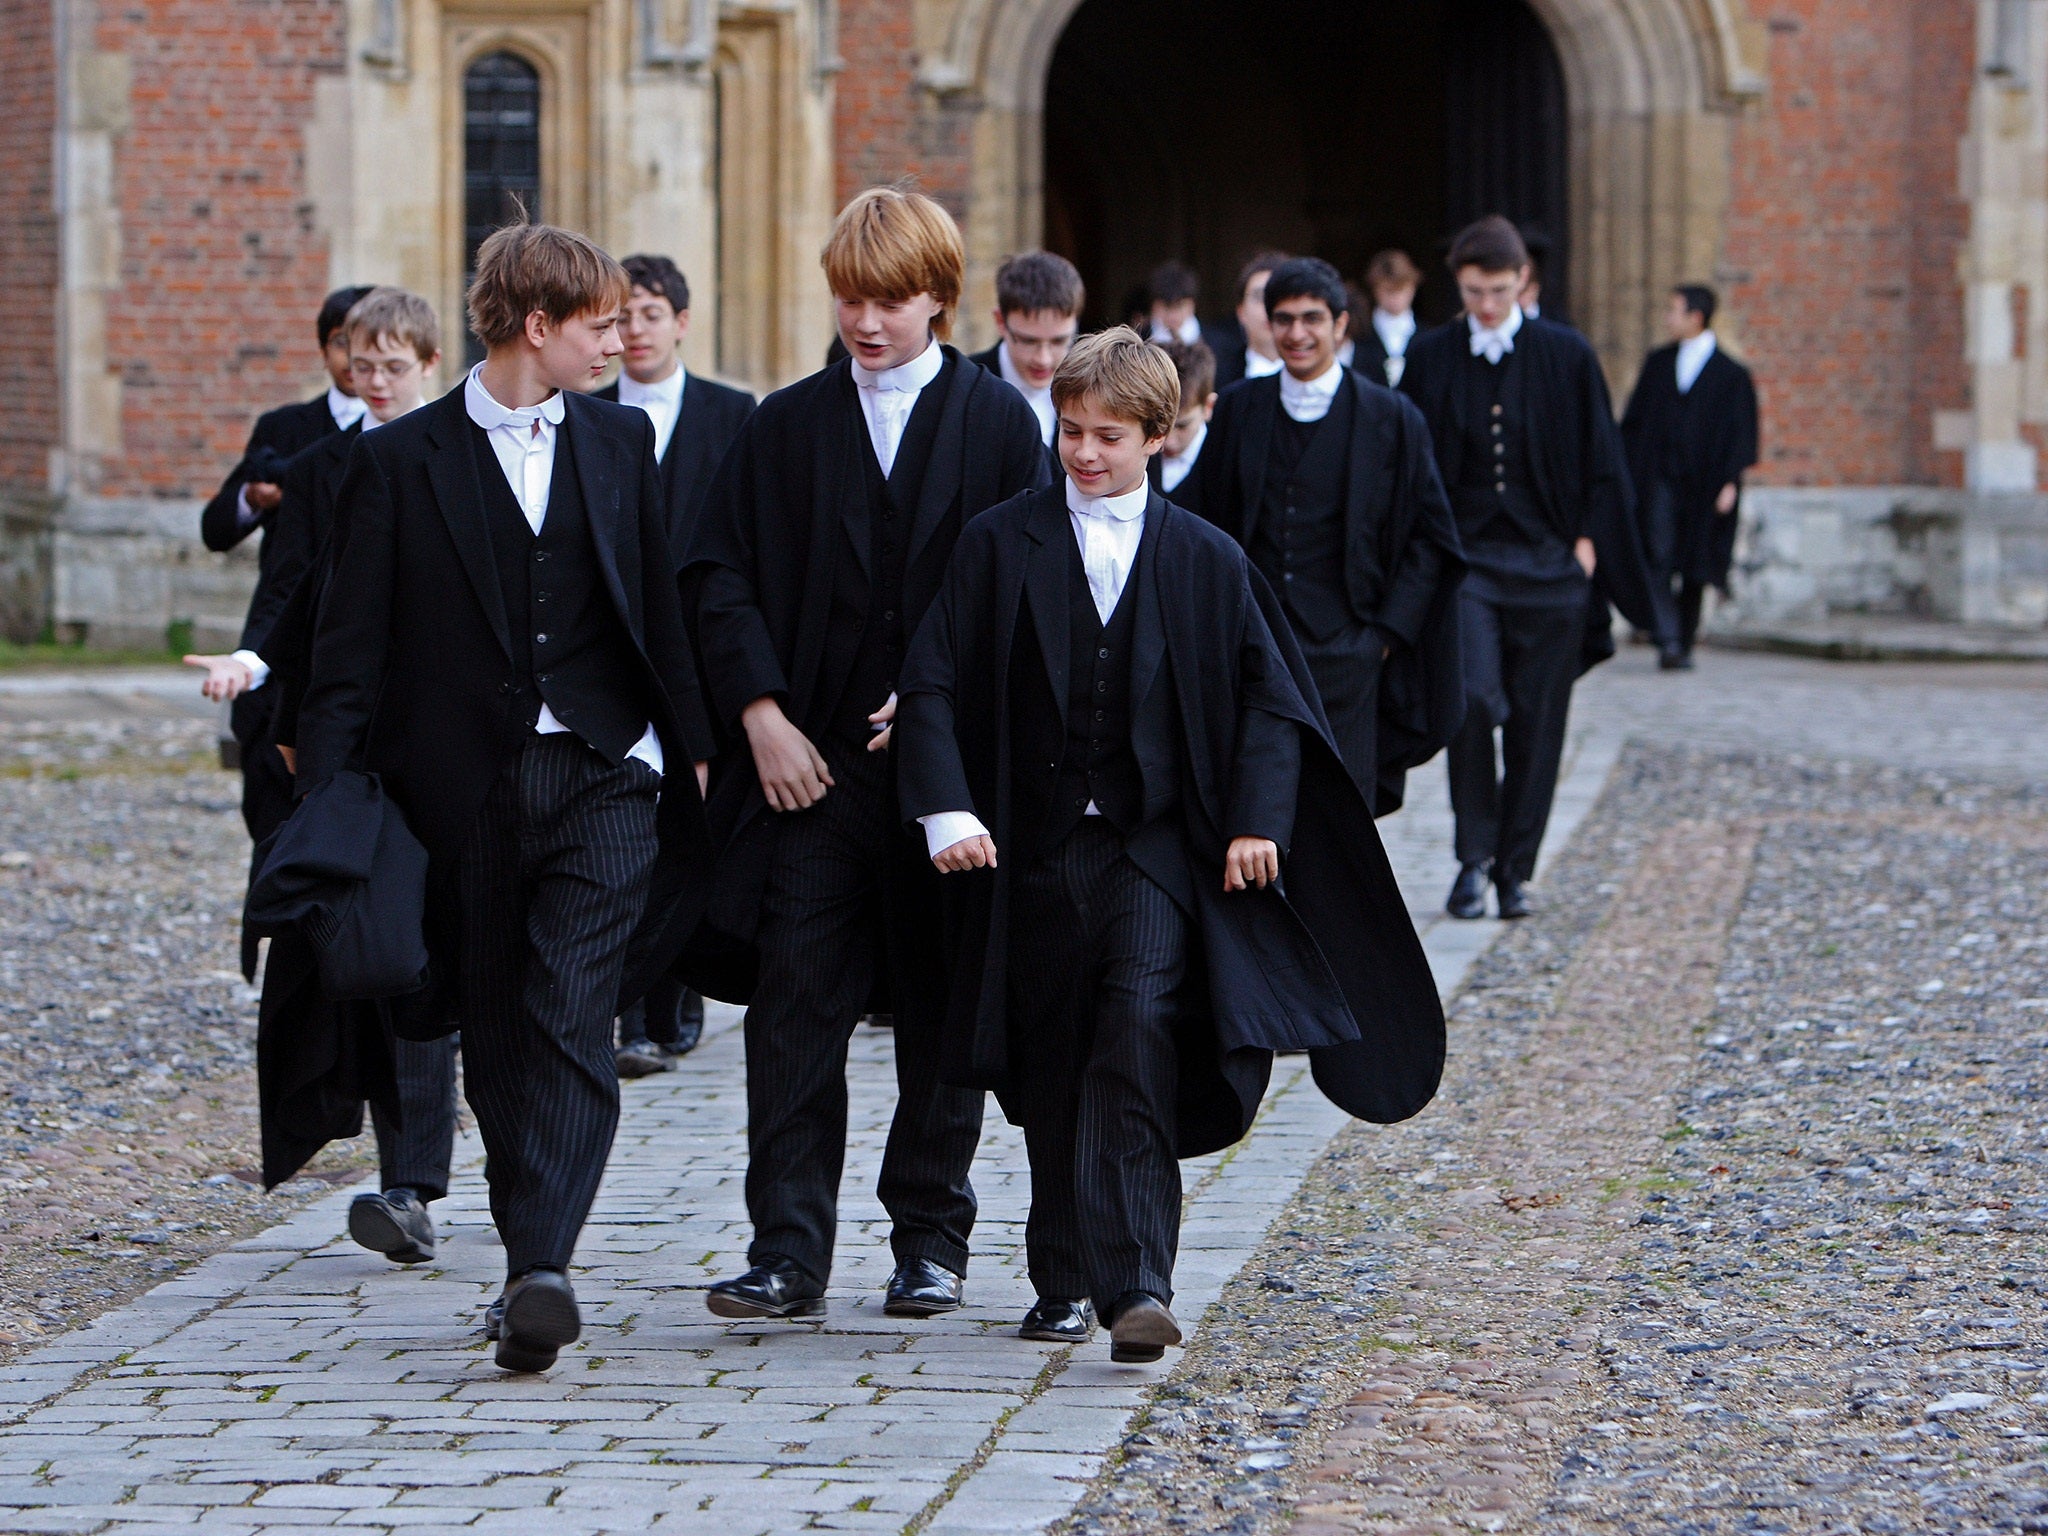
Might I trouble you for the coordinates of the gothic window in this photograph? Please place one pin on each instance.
(500, 152)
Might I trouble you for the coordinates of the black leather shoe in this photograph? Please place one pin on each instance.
(395, 1224)
(642, 1058)
(689, 1026)
(494, 1317)
(773, 1288)
(921, 1288)
(1674, 658)
(1468, 894)
(1058, 1322)
(1141, 1329)
(1514, 901)
(540, 1317)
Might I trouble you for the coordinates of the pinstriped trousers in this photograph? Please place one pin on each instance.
(1097, 956)
(550, 885)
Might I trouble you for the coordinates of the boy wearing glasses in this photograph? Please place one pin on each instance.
(1038, 314)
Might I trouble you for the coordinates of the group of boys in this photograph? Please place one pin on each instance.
(1041, 699)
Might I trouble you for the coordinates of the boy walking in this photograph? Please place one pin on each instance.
(1172, 469)
(1111, 748)
(825, 538)
(695, 421)
(1038, 314)
(512, 660)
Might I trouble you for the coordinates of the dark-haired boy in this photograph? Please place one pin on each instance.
(249, 499)
(1245, 350)
(512, 661)
(1172, 469)
(1691, 433)
(1327, 480)
(825, 537)
(1038, 315)
(1111, 745)
(1174, 290)
(695, 421)
(1525, 438)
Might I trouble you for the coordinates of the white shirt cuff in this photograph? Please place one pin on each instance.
(945, 828)
(259, 669)
(648, 750)
(246, 516)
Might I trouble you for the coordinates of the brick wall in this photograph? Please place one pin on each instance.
(222, 269)
(1843, 233)
(885, 126)
(28, 245)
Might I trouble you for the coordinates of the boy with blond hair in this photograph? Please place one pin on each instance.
(826, 534)
(511, 660)
(1114, 751)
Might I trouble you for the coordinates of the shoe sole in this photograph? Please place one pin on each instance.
(527, 1359)
(638, 1069)
(371, 1224)
(1054, 1335)
(920, 1308)
(538, 1321)
(724, 1304)
(1135, 1354)
(1143, 1339)
(1468, 915)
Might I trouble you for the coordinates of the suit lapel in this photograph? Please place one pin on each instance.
(599, 459)
(1255, 446)
(1045, 583)
(943, 474)
(453, 472)
(856, 448)
(1148, 642)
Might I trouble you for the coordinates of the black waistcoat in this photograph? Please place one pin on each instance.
(570, 649)
(869, 623)
(1299, 542)
(1088, 733)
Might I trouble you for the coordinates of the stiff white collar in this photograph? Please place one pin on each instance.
(1495, 344)
(1258, 366)
(1310, 400)
(908, 378)
(346, 410)
(1122, 508)
(1692, 357)
(1395, 331)
(487, 413)
(1189, 333)
(668, 391)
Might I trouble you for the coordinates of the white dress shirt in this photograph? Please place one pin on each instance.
(1310, 401)
(1040, 400)
(1259, 366)
(346, 410)
(1109, 530)
(1692, 357)
(1493, 345)
(662, 401)
(887, 399)
(1175, 467)
(1189, 333)
(524, 443)
(1394, 332)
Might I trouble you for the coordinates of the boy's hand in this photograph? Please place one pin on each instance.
(1583, 552)
(1250, 861)
(226, 678)
(1725, 502)
(703, 779)
(968, 853)
(291, 758)
(885, 718)
(793, 776)
(263, 496)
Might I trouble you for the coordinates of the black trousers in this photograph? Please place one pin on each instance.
(1097, 956)
(414, 1150)
(1520, 664)
(1664, 562)
(550, 887)
(1346, 668)
(846, 882)
(659, 1015)
(266, 785)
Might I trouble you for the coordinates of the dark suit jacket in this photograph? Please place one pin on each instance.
(1227, 340)
(1402, 563)
(709, 419)
(1710, 433)
(1227, 730)
(297, 531)
(276, 437)
(1580, 477)
(409, 674)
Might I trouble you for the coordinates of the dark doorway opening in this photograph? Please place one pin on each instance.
(1211, 129)
(500, 155)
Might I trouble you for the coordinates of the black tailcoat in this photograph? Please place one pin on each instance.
(1395, 510)
(1580, 476)
(410, 675)
(276, 437)
(1227, 341)
(1333, 965)
(297, 532)
(707, 421)
(758, 582)
(1709, 435)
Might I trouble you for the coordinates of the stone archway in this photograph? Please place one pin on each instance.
(1652, 87)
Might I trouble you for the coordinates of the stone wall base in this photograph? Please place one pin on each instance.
(123, 571)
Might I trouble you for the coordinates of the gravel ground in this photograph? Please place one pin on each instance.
(1728, 1219)
(127, 1037)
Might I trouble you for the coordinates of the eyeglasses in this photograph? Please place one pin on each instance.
(391, 372)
